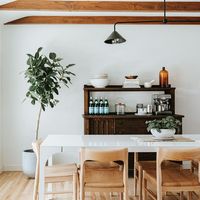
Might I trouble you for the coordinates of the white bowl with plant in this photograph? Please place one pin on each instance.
(163, 128)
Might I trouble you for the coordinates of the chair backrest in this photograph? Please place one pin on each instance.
(104, 155)
(178, 154)
(163, 154)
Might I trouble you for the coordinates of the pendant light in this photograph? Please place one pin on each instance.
(116, 38)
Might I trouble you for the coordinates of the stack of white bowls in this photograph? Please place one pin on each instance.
(100, 81)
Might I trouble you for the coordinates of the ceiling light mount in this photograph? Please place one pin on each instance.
(116, 38)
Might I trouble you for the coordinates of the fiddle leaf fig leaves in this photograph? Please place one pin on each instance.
(45, 75)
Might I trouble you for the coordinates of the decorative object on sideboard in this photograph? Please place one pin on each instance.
(149, 109)
(131, 81)
(163, 128)
(148, 84)
(144, 110)
(98, 107)
(141, 111)
(120, 108)
(100, 81)
(164, 78)
(139, 105)
(45, 76)
(131, 76)
(116, 38)
(162, 104)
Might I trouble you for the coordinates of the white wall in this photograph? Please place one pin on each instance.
(148, 48)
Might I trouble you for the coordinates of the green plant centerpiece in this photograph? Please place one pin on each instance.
(45, 76)
(165, 127)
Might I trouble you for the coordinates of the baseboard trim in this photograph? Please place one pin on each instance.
(12, 168)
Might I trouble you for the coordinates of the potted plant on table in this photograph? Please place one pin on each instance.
(45, 76)
(163, 128)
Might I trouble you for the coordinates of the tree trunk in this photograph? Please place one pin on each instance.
(38, 123)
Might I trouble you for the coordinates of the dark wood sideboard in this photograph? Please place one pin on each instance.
(129, 123)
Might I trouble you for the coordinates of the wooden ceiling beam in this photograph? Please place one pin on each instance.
(101, 20)
(130, 6)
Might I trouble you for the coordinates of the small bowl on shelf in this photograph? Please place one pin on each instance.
(149, 84)
(99, 82)
(100, 76)
(131, 77)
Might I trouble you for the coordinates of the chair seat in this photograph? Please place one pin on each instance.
(102, 165)
(146, 164)
(98, 174)
(174, 177)
(105, 184)
(60, 170)
(152, 164)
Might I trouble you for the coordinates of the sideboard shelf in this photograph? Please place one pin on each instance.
(116, 88)
(127, 115)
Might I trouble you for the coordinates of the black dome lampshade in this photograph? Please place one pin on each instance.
(115, 38)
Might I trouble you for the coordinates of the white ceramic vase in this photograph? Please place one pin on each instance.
(165, 133)
(29, 163)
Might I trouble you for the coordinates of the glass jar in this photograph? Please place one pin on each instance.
(139, 105)
(120, 108)
(163, 77)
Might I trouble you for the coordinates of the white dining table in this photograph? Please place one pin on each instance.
(135, 143)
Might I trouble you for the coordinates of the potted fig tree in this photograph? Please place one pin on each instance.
(163, 128)
(45, 76)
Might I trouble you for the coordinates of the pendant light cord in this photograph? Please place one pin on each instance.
(165, 20)
(165, 12)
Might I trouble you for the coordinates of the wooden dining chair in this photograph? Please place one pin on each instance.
(104, 171)
(194, 165)
(55, 174)
(139, 166)
(171, 179)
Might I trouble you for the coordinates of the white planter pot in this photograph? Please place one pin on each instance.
(29, 163)
(165, 133)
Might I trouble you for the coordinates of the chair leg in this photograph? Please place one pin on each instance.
(135, 183)
(144, 184)
(120, 194)
(74, 186)
(135, 174)
(93, 196)
(189, 195)
(140, 182)
(78, 187)
(125, 193)
(82, 193)
(181, 196)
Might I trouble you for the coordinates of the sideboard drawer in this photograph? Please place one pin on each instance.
(130, 126)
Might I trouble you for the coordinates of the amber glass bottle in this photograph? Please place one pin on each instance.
(163, 75)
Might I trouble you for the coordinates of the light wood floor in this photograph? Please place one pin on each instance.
(15, 186)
